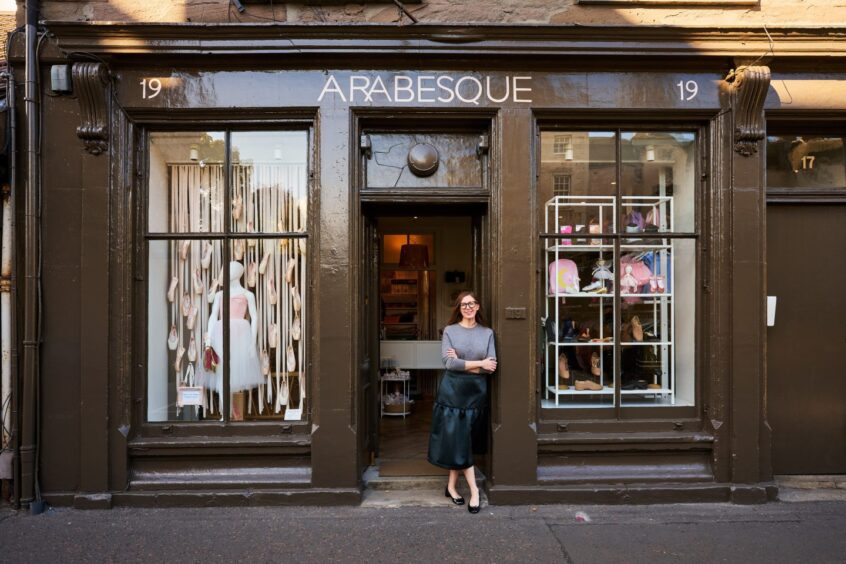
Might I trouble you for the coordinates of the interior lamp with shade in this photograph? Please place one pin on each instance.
(413, 255)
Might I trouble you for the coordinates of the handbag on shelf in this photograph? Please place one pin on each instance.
(563, 277)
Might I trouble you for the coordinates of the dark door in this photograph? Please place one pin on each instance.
(806, 358)
(369, 343)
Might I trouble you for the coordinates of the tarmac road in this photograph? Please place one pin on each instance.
(775, 532)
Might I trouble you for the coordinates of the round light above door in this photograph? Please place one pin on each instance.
(423, 159)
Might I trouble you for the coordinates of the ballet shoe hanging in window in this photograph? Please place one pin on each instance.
(171, 291)
(289, 273)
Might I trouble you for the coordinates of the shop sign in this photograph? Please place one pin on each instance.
(428, 89)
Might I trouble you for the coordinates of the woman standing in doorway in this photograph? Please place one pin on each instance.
(459, 425)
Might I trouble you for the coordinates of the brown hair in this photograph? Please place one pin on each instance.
(456, 316)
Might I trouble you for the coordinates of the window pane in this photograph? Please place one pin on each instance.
(578, 324)
(657, 286)
(655, 277)
(586, 158)
(267, 328)
(183, 280)
(269, 181)
(806, 161)
(186, 182)
(658, 175)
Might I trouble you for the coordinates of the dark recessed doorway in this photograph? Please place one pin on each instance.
(426, 257)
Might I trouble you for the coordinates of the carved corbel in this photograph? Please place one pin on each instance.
(91, 84)
(749, 87)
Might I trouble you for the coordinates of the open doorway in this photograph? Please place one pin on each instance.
(425, 261)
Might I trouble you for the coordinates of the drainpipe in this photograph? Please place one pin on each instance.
(29, 489)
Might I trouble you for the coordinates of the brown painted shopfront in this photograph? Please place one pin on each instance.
(670, 161)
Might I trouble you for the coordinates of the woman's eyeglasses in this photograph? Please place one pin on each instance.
(469, 305)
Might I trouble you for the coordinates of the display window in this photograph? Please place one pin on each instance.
(619, 268)
(806, 162)
(227, 240)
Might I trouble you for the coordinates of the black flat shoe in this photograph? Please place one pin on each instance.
(474, 508)
(456, 500)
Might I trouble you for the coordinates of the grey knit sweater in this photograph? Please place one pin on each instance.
(469, 344)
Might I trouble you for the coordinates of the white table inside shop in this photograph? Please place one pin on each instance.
(408, 355)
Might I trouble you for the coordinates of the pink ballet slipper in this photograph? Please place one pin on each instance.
(289, 273)
(208, 248)
(192, 349)
(296, 328)
(271, 291)
(171, 291)
(296, 299)
(183, 249)
(290, 359)
(186, 304)
(198, 281)
(238, 249)
(272, 335)
(251, 275)
(192, 317)
(265, 363)
(172, 338)
(263, 264)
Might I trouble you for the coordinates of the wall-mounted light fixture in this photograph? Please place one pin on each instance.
(194, 153)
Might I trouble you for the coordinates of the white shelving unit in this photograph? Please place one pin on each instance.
(603, 209)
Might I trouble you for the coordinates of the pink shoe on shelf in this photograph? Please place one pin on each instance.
(567, 229)
(660, 283)
(653, 285)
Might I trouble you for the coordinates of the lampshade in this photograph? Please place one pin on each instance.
(414, 256)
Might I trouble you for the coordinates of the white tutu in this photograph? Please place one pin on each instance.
(245, 372)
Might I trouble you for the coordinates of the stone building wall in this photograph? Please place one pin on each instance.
(772, 13)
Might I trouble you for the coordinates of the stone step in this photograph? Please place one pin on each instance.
(373, 481)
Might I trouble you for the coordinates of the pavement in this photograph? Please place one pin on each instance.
(802, 530)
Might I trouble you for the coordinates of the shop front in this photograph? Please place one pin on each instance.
(273, 230)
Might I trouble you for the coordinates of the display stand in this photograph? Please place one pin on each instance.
(402, 376)
(565, 212)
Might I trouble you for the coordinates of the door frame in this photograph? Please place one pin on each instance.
(365, 205)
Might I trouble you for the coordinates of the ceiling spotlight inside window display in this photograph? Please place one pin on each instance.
(194, 153)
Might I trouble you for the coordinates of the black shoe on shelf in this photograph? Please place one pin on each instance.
(456, 500)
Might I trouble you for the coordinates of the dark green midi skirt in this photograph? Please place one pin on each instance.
(459, 424)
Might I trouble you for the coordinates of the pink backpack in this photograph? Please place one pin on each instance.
(563, 277)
